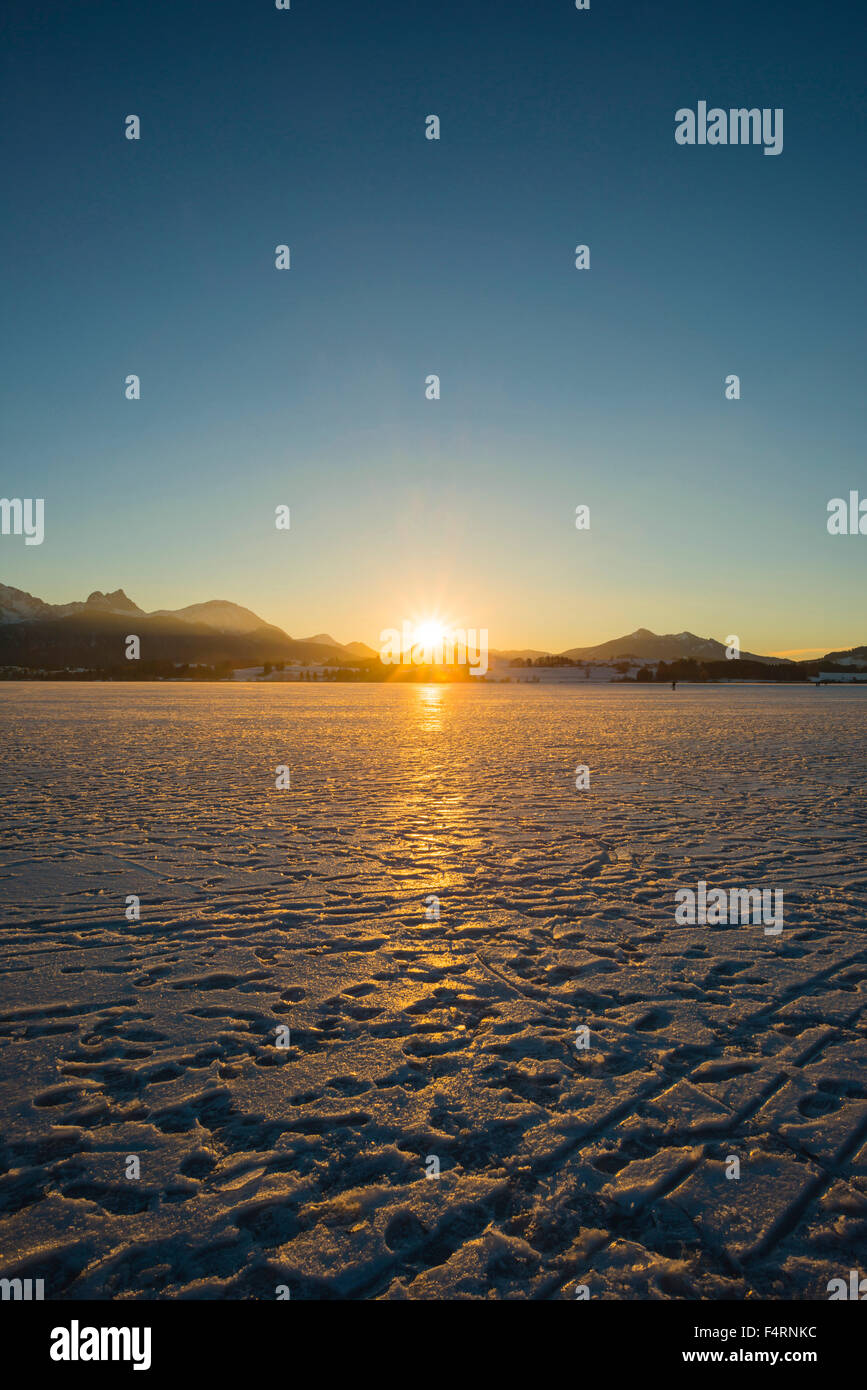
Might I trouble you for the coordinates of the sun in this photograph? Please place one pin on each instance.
(431, 632)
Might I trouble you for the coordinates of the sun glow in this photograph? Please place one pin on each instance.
(433, 641)
(430, 633)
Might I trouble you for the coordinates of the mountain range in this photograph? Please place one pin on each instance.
(673, 646)
(90, 633)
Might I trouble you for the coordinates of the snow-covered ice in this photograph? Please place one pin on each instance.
(415, 1039)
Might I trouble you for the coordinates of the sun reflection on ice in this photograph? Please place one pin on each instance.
(431, 708)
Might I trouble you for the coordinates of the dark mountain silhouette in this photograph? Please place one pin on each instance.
(17, 606)
(855, 656)
(92, 634)
(645, 645)
(98, 640)
(218, 613)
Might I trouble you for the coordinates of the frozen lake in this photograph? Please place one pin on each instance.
(413, 1039)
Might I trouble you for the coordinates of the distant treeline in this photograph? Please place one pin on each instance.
(372, 670)
(684, 669)
(524, 661)
(691, 670)
(129, 671)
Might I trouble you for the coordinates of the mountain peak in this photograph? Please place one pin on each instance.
(218, 613)
(116, 602)
(644, 645)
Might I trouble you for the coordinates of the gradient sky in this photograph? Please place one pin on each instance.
(455, 257)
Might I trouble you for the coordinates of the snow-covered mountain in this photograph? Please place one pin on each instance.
(220, 614)
(230, 621)
(16, 606)
(33, 632)
(650, 646)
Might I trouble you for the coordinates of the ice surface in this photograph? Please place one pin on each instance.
(413, 1038)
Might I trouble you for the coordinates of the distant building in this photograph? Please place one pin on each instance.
(837, 677)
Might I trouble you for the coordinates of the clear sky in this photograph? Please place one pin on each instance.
(455, 257)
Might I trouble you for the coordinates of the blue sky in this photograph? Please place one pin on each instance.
(453, 257)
